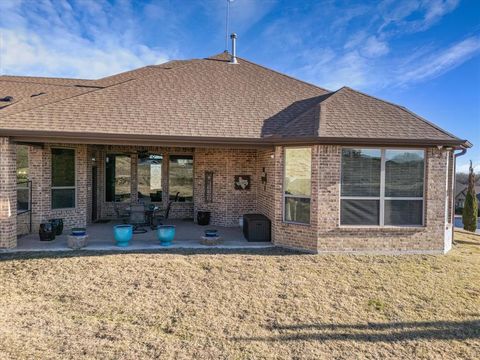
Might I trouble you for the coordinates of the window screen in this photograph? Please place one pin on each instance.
(297, 184)
(63, 178)
(382, 187)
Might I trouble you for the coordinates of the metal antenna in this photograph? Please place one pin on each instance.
(227, 15)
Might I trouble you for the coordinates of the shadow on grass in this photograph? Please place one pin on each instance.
(375, 332)
(271, 251)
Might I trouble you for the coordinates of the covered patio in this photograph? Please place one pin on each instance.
(100, 237)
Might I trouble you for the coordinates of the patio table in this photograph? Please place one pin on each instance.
(149, 212)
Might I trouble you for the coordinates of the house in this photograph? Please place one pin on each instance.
(334, 171)
(461, 193)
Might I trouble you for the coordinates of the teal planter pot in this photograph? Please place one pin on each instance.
(165, 234)
(123, 234)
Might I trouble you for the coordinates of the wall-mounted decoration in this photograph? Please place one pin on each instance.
(242, 182)
(208, 186)
(263, 178)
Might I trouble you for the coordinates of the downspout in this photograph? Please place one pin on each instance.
(461, 153)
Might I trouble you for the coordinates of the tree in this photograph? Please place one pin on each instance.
(470, 210)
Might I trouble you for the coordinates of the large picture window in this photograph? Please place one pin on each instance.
(118, 172)
(149, 172)
(297, 184)
(382, 187)
(23, 188)
(63, 178)
(180, 180)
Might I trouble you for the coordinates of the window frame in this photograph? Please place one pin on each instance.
(162, 170)
(284, 196)
(107, 154)
(382, 198)
(74, 187)
(24, 184)
(179, 155)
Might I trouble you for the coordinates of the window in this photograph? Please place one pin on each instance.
(382, 187)
(297, 184)
(63, 178)
(361, 170)
(180, 180)
(118, 169)
(23, 189)
(149, 172)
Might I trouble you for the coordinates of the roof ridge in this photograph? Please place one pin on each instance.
(403, 108)
(96, 88)
(45, 77)
(49, 84)
(289, 122)
(285, 75)
(66, 98)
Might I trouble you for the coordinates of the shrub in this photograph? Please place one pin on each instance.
(470, 209)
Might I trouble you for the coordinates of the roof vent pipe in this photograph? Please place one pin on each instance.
(233, 60)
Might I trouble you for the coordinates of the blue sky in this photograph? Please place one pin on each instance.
(423, 54)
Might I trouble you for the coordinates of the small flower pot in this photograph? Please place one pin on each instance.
(123, 234)
(79, 231)
(165, 234)
(211, 233)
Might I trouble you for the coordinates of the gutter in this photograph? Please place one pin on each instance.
(462, 152)
(267, 141)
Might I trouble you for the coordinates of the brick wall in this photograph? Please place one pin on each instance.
(299, 236)
(40, 173)
(324, 233)
(228, 204)
(23, 223)
(266, 192)
(8, 193)
(332, 237)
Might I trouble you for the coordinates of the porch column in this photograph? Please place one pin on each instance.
(8, 193)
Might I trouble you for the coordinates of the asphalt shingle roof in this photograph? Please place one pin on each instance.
(205, 98)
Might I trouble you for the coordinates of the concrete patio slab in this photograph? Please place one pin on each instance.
(188, 236)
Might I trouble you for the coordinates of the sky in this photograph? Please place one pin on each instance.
(422, 54)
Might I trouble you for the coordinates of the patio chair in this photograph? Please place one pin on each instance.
(138, 218)
(121, 213)
(160, 215)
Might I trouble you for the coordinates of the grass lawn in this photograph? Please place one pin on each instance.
(269, 304)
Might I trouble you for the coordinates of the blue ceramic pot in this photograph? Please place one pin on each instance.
(165, 234)
(123, 234)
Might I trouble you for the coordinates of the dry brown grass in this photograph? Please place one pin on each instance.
(273, 305)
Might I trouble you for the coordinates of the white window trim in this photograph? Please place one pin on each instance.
(382, 198)
(63, 187)
(284, 196)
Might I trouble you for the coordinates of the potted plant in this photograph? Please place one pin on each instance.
(165, 234)
(123, 234)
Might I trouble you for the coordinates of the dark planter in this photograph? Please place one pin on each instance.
(203, 217)
(57, 225)
(46, 232)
